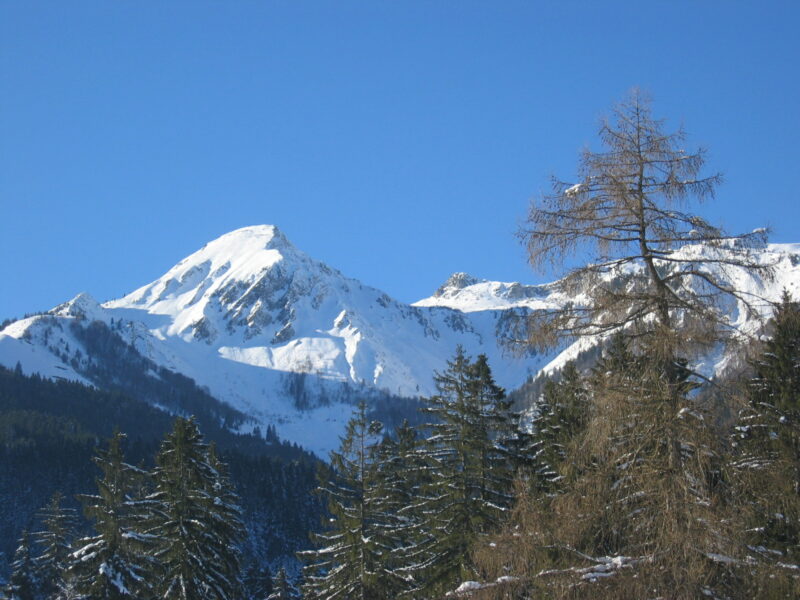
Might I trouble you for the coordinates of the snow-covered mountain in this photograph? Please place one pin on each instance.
(252, 318)
(292, 342)
(467, 294)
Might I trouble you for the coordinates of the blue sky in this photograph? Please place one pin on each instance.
(396, 141)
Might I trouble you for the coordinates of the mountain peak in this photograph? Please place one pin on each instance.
(83, 305)
(244, 239)
(237, 258)
(267, 233)
(456, 281)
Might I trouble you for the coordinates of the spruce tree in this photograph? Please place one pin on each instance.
(776, 384)
(767, 461)
(348, 564)
(257, 580)
(224, 517)
(470, 477)
(111, 565)
(67, 591)
(561, 414)
(282, 588)
(55, 544)
(195, 552)
(401, 475)
(22, 584)
(490, 413)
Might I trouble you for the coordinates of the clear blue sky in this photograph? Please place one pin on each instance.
(397, 141)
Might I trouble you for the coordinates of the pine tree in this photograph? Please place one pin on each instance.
(111, 564)
(282, 588)
(23, 583)
(54, 541)
(348, 564)
(470, 477)
(191, 496)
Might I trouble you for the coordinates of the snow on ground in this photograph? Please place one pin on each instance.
(23, 342)
(467, 294)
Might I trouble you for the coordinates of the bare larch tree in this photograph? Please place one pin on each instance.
(652, 266)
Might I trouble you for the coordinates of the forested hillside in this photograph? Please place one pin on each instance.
(49, 431)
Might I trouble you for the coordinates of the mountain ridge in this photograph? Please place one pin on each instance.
(291, 342)
(259, 323)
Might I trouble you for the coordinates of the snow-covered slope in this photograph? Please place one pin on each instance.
(251, 297)
(292, 342)
(257, 321)
(466, 293)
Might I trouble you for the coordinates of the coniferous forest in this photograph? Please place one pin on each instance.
(625, 474)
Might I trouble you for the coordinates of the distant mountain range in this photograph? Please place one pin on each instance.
(289, 342)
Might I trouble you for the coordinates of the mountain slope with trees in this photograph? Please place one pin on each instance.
(50, 430)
